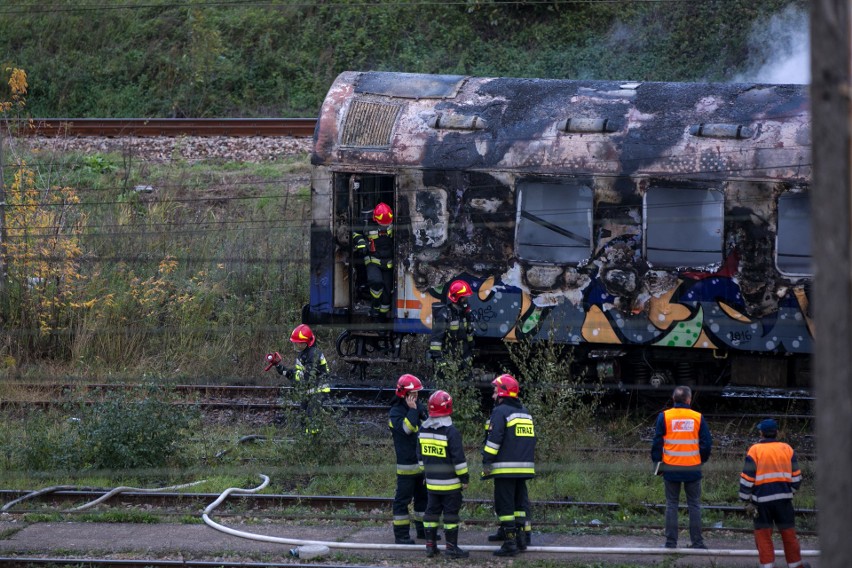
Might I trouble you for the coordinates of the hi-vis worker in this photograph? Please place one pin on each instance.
(308, 373)
(406, 414)
(770, 477)
(375, 243)
(682, 443)
(441, 453)
(508, 458)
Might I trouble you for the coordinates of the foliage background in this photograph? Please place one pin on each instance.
(197, 278)
(160, 58)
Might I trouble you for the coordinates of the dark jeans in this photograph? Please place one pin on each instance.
(779, 513)
(693, 505)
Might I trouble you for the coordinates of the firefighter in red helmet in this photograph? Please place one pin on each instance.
(508, 458)
(375, 244)
(451, 344)
(405, 417)
(441, 452)
(308, 374)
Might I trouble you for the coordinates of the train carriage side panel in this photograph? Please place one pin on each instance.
(610, 215)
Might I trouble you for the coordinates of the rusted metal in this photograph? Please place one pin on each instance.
(117, 127)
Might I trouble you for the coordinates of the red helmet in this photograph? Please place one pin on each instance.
(303, 334)
(406, 384)
(440, 404)
(459, 289)
(383, 214)
(506, 386)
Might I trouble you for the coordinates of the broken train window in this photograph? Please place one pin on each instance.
(684, 226)
(554, 222)
(793, 238)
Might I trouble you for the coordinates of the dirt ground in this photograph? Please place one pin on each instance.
(200, 541)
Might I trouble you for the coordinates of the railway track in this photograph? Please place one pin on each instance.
(255, 504)
(145, 127)
(794, 405)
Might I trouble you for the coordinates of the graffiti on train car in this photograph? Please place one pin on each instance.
(692, 315)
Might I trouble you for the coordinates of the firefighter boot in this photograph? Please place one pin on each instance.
(521, 538)
(453, 550)
(400, 535)
(431, 547)
(510, 545)
(498, 536)
(421, 532)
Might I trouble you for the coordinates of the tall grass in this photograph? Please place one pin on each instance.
(182, 270)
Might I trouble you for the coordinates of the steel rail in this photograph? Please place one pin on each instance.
(361, 503)
(118, 127)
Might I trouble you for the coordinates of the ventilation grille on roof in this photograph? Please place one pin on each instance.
(369, 124)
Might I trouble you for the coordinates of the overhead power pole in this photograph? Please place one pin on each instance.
(830, 209)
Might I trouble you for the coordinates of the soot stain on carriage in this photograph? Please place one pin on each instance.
(482, 207)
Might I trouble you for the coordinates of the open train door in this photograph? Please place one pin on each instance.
(357, 194)
(367, 339)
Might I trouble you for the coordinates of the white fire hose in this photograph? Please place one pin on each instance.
(315, 547)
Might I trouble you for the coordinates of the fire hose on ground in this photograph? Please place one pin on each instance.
(315, 548)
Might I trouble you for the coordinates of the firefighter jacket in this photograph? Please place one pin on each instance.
(682, 442)
(404, 424)
(441, 454)
(771, 472)
(375, 243)
(310, 370)
(452, 331)
(509, 449)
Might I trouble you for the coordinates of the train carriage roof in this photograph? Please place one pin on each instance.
(564, 127)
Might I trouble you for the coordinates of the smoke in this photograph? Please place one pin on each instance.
(779, 50)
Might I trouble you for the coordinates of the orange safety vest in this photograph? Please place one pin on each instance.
(774, 465)
(680, 443)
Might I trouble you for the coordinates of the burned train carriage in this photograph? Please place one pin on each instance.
(661, 228)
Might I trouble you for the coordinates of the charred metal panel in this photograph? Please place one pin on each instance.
(369, 124)
(409, 85)
(523, 118)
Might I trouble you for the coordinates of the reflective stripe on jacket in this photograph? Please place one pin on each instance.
(404, 424)
(771, 472)
(441, 453)
(680, 442)
(452, 330)
(509, 449)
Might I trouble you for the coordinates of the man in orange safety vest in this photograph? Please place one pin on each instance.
(682, 443)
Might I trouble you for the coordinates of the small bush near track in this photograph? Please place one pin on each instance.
(126, 431)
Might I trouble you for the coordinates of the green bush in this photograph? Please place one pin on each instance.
(127, 430)
(561, 402)
(133, 429)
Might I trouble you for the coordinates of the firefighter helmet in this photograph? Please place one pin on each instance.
(440, 404)
(459, 289)
(303, 334)
(406, 384)
(383, 214)
(506, 386)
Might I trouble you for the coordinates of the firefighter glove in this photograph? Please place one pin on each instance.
(751, 509)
